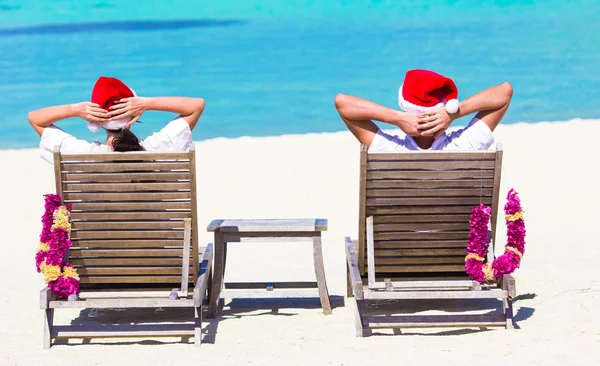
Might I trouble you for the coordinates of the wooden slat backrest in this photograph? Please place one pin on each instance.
(128, 217)
(420, 203)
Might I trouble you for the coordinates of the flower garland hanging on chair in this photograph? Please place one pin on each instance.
(477, 247)
(61, 277)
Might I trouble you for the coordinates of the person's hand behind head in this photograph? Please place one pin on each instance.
(434, 123)
(128, 107)
(91, 112)
(410, 123)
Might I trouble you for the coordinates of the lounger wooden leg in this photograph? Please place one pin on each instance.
(48, 321)
(320, 273)
(209, 286)
(348, 282)
(224, 256)
(508, 312)
(508, 284)
(198, 325)
(217, 280)
(358, 308)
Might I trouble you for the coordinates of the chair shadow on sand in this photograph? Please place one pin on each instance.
(445, 306)
(235, 309)
(239, 308)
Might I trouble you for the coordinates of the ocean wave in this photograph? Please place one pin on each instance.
(126, 26)
(9, 7)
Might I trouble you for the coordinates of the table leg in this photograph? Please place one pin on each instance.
(320, 272)
(218, 274)
(349, 292)
(224, 256)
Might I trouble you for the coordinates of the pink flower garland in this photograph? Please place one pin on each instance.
(477, 247)
(61, 277)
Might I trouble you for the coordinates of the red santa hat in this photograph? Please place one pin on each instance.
(425, 90)
(107, 91)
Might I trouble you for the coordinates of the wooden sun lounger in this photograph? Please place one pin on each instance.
(135, 240)
(413, 231)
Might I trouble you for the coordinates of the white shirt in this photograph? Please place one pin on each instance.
(476, 136)
(175, 136)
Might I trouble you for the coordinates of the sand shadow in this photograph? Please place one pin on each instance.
(527, 296)
(437, 307)
(436, 333)
(123, 26)
(239, 308)
(523, 312)
(236, 308)
(412, 306)
(274, 306)
(98, 318)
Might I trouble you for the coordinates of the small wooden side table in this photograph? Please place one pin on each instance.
(276, 230)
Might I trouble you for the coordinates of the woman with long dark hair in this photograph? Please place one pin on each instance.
(115, 108)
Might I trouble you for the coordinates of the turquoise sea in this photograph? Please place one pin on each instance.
(273, 67)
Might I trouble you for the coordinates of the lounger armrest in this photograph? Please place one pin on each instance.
(491, 248)
(215, 225)
(205, 268)
(509, 284)
(45, 297)
(355, 279)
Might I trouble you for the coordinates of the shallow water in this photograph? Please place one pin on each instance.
(274, 67)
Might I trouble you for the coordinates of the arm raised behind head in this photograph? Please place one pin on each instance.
(358, 114)
(189, 109)
(490, 105)
(42, 118)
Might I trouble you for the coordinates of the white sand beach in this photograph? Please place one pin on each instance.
(554, 166)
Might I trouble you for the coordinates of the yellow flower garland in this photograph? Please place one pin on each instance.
(70, 272)
(515, 216)
(43, 247)
(62, 219)
(50, 272)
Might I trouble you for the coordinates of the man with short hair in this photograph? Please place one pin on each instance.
(430, 104)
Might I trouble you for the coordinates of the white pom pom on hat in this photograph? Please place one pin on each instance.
(452, 106)
(425, 90)
(94, 126)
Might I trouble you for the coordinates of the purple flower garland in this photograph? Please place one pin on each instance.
(477, 247)
(61, 277)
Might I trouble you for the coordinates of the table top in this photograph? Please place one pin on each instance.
(268, 225)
